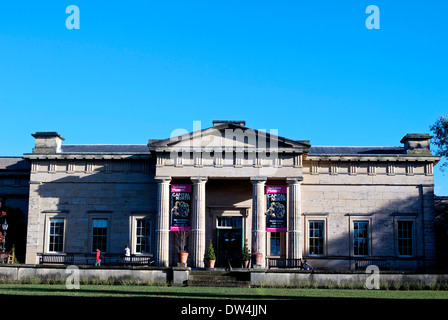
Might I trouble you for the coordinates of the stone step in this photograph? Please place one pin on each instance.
(219, 283)
(216, 279)
(204, 277)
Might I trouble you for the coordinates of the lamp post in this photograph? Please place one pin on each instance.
(4, 227)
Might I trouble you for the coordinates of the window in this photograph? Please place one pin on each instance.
(56, 243)
(99, 234)
(275, 243)
(405, 238)
(230, 222)
(361, 238)
(143, 236)
(316, 237)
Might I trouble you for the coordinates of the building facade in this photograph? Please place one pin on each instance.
(230, 184)
(14, 185)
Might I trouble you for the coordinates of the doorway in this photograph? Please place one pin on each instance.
(229, 235)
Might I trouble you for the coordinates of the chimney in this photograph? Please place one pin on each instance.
(417, 144)
(47, 142)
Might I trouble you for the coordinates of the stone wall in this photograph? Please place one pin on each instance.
(86, 192)
(281, 278)
(116, 275)
(179, 276)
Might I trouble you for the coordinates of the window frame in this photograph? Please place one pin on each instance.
(412, 239)
(368, 239)
(133, 225)
(148, 237)
(309, 238)
(277, 237)
(49, 234)
(107, 235)
(316, 218)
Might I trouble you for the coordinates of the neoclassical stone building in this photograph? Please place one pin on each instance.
(231, 184)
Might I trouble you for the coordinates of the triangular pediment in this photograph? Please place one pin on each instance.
(227, 135)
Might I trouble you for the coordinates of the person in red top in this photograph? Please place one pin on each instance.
(98, 258)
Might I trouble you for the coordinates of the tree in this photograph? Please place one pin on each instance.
(440, 139)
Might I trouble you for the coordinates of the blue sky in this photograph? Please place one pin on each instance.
(137, 70)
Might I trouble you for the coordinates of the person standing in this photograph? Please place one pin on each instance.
(127, 254)
(127, 251)
(98, 258)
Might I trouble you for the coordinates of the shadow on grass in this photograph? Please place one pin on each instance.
(172, 305)
(172, 293)
(218, 293)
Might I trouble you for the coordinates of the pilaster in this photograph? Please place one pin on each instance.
(198, 222)
(163, 221)
(295, 217)
(259, 217)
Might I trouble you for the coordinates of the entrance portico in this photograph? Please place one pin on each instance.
(232, 164)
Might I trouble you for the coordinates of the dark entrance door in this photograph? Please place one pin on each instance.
(229, 241)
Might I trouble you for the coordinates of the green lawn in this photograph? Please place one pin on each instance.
(121, 291)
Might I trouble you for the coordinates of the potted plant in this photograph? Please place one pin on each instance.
(258, 258)
(210, 255)
(182, 238)
(245, 255)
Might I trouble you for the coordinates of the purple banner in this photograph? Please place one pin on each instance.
(276, 214)
(180, 207)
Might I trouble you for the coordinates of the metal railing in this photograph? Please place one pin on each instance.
(284, 263)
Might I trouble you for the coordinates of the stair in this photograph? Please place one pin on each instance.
(218, 279)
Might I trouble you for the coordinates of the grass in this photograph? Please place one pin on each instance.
(260, 293)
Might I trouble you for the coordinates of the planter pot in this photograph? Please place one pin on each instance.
(258, 258)
(183, 257)
(245, 264)
(211, 263)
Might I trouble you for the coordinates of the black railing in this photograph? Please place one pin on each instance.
(362, 264)
(135, 260)
(284, 263)
(57, 258)
(89, 259)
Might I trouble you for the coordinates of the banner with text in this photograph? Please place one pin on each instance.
(276, 208)
(180, 207)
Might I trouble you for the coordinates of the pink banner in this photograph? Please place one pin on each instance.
(275, 189)
(276, 229)
(180, 228)
(181, 188)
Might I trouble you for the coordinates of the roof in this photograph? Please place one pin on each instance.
(105, 148)
(14, 164)
(314, 150)
(335, 150)
(239, 130)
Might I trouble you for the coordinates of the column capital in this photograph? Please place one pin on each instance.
(199, 179)
(255, 180)
(162, 179)
(294, 180)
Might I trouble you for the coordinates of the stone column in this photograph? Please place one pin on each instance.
(163, 222)
(198, 222)
(295, 218)
(259, 217)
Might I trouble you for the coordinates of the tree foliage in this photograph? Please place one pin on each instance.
(440, 139)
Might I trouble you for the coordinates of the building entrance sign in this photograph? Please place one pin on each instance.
(180, 207)
(276, 208)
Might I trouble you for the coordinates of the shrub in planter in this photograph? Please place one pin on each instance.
(210, 256)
